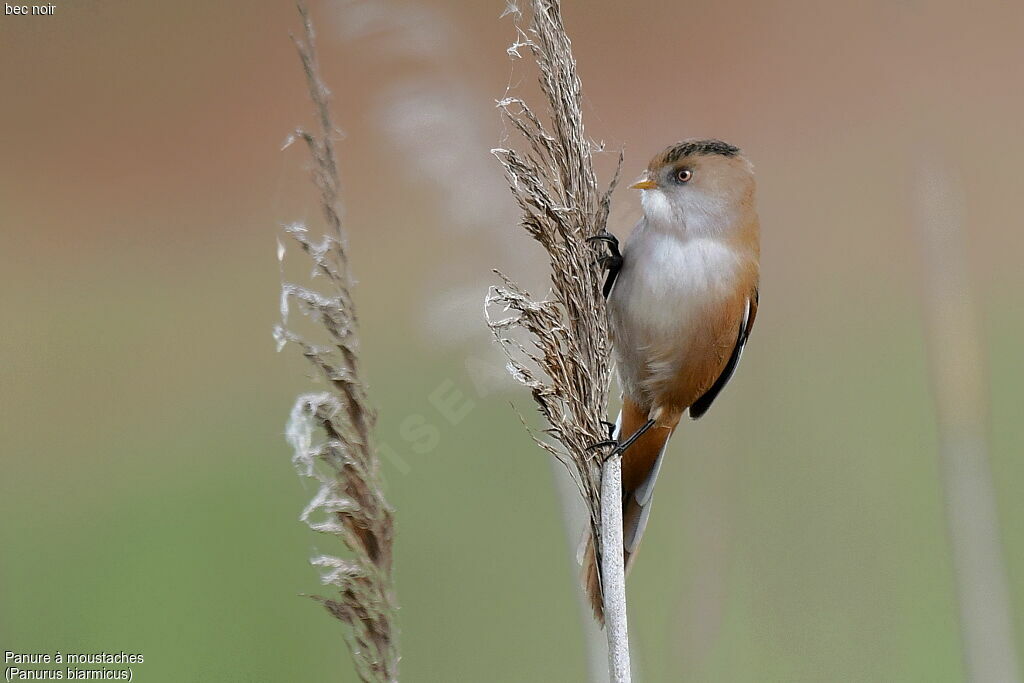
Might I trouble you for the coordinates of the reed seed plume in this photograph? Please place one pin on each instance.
(569, 367)
(331, 431)
(567, 362)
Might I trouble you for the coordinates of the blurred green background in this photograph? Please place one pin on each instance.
(147, 499)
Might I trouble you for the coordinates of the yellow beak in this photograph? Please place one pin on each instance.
(644, 185)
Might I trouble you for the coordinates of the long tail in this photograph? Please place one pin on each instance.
(640, 466)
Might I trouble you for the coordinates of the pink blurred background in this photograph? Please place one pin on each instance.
(147, 496)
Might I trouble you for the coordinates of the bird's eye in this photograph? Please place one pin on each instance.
(683, 175)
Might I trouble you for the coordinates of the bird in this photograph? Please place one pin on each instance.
(682, 296)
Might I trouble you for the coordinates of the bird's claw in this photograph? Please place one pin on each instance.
(611, 240)
(611, 262)
(613, 259)
(609, 442)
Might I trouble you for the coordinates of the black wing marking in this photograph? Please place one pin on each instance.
(613, 261)
(614, 265)
(701, 405)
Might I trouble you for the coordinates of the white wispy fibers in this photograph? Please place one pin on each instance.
(440, 123)
(331, 432)
(435, 125)
(395, 29)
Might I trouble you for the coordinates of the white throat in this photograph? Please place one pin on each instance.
(692, 214)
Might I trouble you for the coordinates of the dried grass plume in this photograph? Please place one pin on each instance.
(567, 361)
(331, 431)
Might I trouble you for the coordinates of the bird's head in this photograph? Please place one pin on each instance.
(698, 185)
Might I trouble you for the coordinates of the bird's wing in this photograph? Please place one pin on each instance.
(701, 405)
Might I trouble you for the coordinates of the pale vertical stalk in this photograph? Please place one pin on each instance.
(959, 390)
(613, 571)
(573, 519)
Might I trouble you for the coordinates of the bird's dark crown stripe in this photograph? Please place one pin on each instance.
(700, 147)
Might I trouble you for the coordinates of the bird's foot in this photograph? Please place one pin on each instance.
(611, 262)
(621, 446)
(613, 259)
(617, 450)
(610, 239)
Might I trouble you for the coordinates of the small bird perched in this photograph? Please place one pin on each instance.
(682, 297)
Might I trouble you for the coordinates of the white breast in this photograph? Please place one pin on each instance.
(666, 279)
(666, 282)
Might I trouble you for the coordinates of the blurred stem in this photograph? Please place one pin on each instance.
(613, 575)
(959, 390)
(574, 517)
